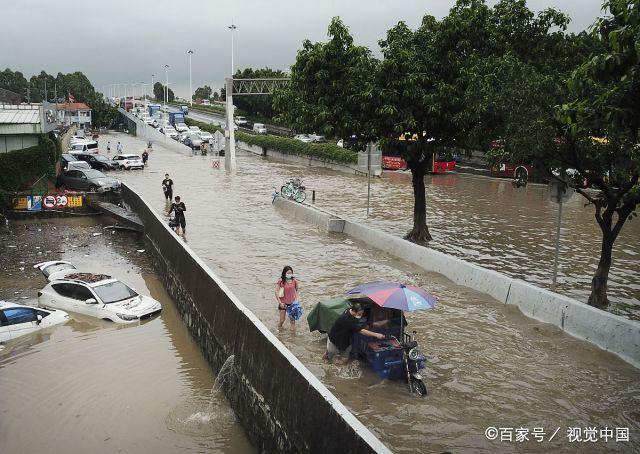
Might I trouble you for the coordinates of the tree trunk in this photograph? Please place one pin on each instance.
(598, 297)
(420, 232)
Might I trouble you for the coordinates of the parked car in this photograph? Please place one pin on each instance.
(68, 158)
(169, 132)
(19, 320)
(303, 138)
(181, 127)
(96, 161)
(88, 146)
(240, 121)
(193, 140)
(93, 294)
(259, 128)
(206, 136)
(128, 161)
(194, 128)
(91, 180)
(318, 138)
(223, 125)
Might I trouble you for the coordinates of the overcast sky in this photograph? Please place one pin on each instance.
(115, 41)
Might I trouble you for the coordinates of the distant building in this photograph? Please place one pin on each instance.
(74, 113)
(9, 97)
(22, 124)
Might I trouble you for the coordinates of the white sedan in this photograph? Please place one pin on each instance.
(18, 320)
(96, 295)
(128, 161)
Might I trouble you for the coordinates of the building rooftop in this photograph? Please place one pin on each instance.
(19, 113)
(74, 106)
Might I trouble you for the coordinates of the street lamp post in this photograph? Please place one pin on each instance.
(190, 52)
(232, 27)
(166, 88)
(152, 85)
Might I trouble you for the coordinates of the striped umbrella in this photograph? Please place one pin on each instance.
(396, 296)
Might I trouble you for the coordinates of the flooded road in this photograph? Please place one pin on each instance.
(96, 387)
(491, 366)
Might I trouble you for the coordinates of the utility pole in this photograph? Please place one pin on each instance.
(190, 52)
(152, 85)
(45, 89)
(166, 88)
(232, 27)
(230, 139)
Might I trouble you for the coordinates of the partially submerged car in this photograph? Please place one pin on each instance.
(89, 180)
(128, 161)
(18, 320)
(94, 294)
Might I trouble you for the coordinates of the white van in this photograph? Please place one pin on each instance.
(85, 146)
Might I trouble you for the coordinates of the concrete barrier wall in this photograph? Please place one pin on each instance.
(283, 406)
(610, 332)
(146, 132)
(297, 159)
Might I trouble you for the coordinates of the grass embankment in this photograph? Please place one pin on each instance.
(327, 152)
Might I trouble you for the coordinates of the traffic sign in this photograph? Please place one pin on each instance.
(559, 192)
(49, 201)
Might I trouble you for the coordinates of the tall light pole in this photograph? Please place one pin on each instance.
(190, 52)
(166, 88)
(232, 27)
(152, 85)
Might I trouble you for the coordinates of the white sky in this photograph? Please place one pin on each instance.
(115, 41)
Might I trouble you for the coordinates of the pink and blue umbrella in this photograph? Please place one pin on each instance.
(396, 296)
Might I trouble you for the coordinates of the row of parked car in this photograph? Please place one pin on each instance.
(69, 289)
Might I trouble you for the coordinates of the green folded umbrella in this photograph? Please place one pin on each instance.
(325, 313)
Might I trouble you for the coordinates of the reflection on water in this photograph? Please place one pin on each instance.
(490, 365)
(91, 386)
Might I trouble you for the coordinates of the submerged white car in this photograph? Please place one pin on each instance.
(18, 320)
(96, 295)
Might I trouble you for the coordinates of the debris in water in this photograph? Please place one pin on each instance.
(21, 268)
(15, 293)
(97, 234)
(21, 263)
(24, 297)
(141, 250)
(11, 245)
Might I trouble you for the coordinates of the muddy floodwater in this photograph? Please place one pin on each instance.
(91, 386)
(490, 365)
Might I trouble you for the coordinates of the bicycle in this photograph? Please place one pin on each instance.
(294, 190)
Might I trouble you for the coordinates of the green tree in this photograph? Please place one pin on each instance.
(158, 92)
(15, 82)
(605, 102)
(332, 88)
(202, 93)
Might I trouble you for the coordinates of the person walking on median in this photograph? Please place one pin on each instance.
(288, 295)
(119, 148)
(342, 331)
(179, 208)
(167, 187)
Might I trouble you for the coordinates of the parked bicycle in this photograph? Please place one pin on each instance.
(294, 190)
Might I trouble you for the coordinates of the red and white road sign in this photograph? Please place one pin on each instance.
(49, 201)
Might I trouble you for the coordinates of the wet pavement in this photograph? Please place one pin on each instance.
(491, 366)
(92, 386)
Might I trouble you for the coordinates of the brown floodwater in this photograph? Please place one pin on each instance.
(490, 365)
(91, 386)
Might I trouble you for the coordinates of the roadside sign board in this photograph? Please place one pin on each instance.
(559, 192)
(49, 201)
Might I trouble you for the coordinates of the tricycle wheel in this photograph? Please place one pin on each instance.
(418, 387)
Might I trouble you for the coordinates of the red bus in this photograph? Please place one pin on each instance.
(439, 164)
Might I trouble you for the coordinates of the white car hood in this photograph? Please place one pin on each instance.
(139, 305)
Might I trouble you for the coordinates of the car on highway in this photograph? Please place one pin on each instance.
(240, 121)
(303, 138)
(94, 294)
(18, 320)
(206, 136)
(128, 161)
(89, 180)
(192, 139)
(194, 128)
(149, 120)
(181, 127)
(169, 131)
(96, 161)
(223, 125)
(259, 128)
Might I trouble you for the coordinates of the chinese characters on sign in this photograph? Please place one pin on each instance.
(573, 434)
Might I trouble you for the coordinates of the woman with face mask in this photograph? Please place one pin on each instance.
(287, 295)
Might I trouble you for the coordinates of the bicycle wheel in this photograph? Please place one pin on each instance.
(299, 196)
(286, 191)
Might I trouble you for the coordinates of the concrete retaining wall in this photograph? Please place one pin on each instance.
(297, 159)
(610, 332)
(146, 132)
(283, 406)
